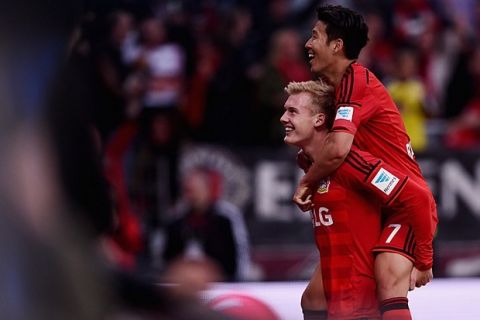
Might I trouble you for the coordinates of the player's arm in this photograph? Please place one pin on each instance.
(351, 113)
(324, 161)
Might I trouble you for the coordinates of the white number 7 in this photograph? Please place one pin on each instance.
(395, 227)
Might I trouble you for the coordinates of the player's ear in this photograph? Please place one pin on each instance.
(319, 119)
(338, 45)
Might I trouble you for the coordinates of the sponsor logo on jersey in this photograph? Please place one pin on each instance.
(344, 113)
(385, 181)
(324, 184)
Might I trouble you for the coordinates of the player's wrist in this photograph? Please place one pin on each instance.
(423, 266)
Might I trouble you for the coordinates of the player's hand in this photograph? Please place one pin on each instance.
(303, 161)
(423, 277)
(303, 197)
(420, 278)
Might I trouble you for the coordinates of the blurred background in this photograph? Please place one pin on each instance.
(140, 143)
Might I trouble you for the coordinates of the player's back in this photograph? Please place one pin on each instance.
(347, 226)
(366, 110)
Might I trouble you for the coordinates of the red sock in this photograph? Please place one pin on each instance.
(395, 309)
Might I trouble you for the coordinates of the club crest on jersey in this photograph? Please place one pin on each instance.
(385, 181)
(324, 185)
(344, 113)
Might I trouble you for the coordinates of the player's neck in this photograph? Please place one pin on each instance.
(335, 73)
(318, 140)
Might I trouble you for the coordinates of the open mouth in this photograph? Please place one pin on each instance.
(311, 56)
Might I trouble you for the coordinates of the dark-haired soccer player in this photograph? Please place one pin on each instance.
(346, 211)
(368, 118)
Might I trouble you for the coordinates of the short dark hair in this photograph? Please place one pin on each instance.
(347, 25)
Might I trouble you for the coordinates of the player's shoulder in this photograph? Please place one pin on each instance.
(354, 84)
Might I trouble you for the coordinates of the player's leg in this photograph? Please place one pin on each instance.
(393, 266)
(314, 303)
(392, 273)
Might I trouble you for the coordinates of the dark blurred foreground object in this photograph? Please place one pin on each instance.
(55, 204)
(50, 279)
(34, 46)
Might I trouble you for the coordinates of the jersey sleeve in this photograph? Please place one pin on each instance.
(371, 176)
(355, 105)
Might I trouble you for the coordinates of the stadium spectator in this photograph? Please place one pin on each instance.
(230, 98)
(208, 58)
(377, 54)
(97, 50)
(408, 92)
(285, 63)
(207, 227)
(464, 130)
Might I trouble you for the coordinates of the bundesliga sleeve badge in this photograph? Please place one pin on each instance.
(385, 181)
(344, 113)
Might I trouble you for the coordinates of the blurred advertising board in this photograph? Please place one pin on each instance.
(261, 181)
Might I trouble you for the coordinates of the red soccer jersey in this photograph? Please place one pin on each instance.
(347, 226)
(405, 201)
(366, 110)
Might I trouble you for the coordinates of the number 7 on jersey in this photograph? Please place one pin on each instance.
(395, 227)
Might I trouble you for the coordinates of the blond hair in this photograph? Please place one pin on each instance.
(322, 93)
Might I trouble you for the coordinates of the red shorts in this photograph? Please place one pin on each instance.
(354, 299)
(397, 238)
(397, 234)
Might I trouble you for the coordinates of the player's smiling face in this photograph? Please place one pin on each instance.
(298, 119)
(320, 53)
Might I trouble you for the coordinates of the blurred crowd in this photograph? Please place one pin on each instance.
(214, 71)
(141, 80)
(162, 75)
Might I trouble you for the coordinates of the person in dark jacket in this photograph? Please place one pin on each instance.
(207, 227)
